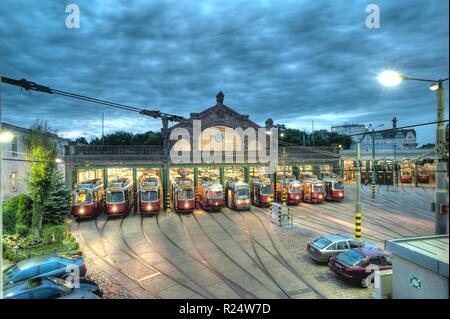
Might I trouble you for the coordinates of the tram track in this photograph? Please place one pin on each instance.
(259, 263)
(277, 255)
(112, 263)
(144, 262)
(235, 287)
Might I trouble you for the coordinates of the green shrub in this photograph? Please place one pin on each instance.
(53, 234)
(16, 210)
(22, 230)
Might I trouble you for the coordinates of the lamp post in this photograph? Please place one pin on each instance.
(374, 174)
(392, 78)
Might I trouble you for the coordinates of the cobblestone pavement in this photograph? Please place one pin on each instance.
(241, 254)
(111, 288)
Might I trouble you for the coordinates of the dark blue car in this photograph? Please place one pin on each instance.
(43, 266)
(49, 288)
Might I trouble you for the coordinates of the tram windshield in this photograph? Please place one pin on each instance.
(295, 189)
(318, 188)
(83, 198)
(185, 194)
(114, 197)
(149, 196)
(214, 194)
(243, 192)
(266, 190)
(338, 185)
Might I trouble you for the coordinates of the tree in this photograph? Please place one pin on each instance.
(56, 207)
(126, 138)
(41, 154)
(81, 140)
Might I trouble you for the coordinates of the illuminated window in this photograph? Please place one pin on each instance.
(13, 179)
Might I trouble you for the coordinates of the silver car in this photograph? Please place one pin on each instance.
(325, 247)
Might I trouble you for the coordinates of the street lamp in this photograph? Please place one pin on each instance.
(373, 158)
(392, 78)
(6, 137)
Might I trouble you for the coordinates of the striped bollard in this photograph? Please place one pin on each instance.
(358, 226)
(168, 206)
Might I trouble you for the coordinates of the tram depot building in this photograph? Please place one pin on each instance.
(85, 162)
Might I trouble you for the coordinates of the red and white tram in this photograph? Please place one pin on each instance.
(293, 188)
(261, 192)
(313, 191)
(182, 194)
(238, 195)
(334, 189)
(88, 199)
(119, 197)
(149, 195)
(210, 196)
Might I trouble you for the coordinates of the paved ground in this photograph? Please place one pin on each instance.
(241, 254)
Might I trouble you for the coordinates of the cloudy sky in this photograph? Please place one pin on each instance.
(293, 61)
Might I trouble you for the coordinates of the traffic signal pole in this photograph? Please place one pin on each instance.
(358, 193)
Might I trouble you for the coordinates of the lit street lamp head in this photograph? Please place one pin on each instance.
(6, 137)
(390, 78)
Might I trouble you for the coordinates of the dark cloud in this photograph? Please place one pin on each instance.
(294, 61)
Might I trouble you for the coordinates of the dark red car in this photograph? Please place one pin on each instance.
(356, 265)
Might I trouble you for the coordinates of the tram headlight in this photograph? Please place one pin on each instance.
(149, 207)
(239, 202)
(81, 210)
(114, 209)
(186, 205)
(320, 196)
(297, 197)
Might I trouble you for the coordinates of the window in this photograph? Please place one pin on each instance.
(387, 260)
(14, 146)
(114, 197)
(149, 196)
(26, 273)
(354, 244)
(342, 245)
(13, 179)
(49, 267)
(332, 247)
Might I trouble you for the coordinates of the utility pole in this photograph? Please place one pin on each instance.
(103, 128)
(284, 201)
(312, 135)
(394, 168)
(358, 193)
(373, 164)
(441, 195)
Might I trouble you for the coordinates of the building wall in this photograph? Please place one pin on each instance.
(350, 130)
(15, 167)
(434, 286)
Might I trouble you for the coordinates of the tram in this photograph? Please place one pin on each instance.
(210, 196)
(261, 191)
(406, 177)
(119, 197)
(294, 190)
(88, 199)
(149, 195)
(182, 194)
(238, 195)
(313, 191)
(334, 189)
(424, 178)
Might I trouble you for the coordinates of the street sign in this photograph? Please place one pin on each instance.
(415, 282)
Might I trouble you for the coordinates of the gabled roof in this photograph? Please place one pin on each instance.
(391, 134)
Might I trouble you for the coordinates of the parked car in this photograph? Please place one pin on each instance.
(83, 294)
(325, 247)
(356, 265)
(48, 288)
(43, 266)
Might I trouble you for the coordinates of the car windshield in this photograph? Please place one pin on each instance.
(318, 188)
(63, 284)
(266, 190)
(215, 194)
(185, 194)
(9, 273)
(243, 192)
(352, 257)
(149, 196)
(338, 185)
(83, 198)
(322, 242)
(114, 197)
